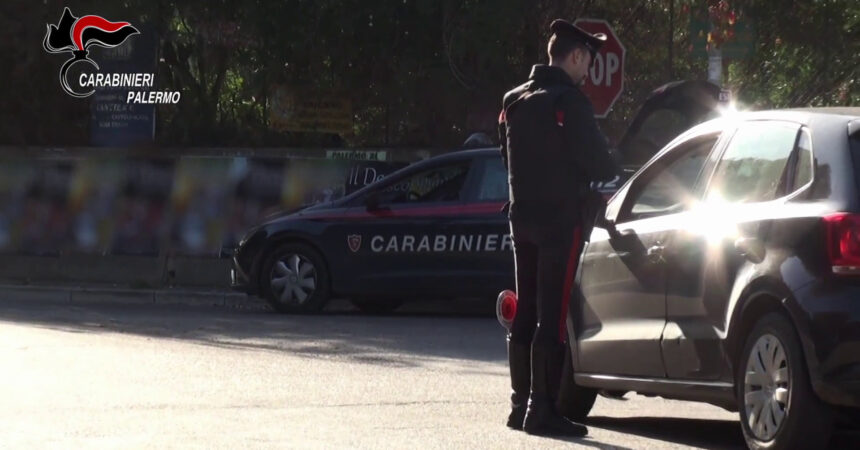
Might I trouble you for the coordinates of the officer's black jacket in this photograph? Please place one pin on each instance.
(552, 147)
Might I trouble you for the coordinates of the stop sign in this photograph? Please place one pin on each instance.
(605, 80)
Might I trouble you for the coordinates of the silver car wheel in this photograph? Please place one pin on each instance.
(293, 279)
(766, 387)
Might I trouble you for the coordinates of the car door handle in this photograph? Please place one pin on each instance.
(655, 252)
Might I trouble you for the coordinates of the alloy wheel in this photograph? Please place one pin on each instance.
(766, 387)
(293, 279)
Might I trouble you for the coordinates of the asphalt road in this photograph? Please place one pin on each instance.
(107, 376)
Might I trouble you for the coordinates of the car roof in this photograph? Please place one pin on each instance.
(471, 153)
(799, 115)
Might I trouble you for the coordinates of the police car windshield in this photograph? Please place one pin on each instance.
(436, 184)
(399, 176)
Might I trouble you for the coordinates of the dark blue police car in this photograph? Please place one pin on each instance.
(433, 229)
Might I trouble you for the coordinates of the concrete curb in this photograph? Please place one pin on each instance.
(125, 296)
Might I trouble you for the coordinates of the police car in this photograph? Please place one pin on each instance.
(433, 229)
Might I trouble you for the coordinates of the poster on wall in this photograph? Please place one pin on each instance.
(94, 194)
(256, 194)
(199, 202)
(17, 178)
(141, 220)
(43, 224)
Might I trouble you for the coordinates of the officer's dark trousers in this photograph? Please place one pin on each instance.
(546, 257)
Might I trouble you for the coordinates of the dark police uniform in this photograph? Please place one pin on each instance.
(553, 150)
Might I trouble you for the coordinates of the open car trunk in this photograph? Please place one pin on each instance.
(669, 111)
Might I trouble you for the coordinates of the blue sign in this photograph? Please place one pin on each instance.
(114, 122)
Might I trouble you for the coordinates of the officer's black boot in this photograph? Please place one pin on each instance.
(542, 417)
(519, 360)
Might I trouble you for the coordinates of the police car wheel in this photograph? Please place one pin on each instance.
(777, 406)
(295, 279)
(376, 306)
(574, 401)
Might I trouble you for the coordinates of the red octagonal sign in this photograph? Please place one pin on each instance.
(605, 81)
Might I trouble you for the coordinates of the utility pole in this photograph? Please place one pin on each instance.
(715, 62)
(715, 66)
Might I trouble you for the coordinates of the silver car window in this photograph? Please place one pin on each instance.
(667, 191)
(751, 168)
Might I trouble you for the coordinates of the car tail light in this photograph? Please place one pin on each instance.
(843, 242)
(506, 308)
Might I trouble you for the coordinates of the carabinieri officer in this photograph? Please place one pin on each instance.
(553, 150)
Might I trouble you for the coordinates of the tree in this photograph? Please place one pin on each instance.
(417, 72)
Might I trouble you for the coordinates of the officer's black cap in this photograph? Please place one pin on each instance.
(592, 42)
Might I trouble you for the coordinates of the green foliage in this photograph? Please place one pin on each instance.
(417, 72)
(807, 55)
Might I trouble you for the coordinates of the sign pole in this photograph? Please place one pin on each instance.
(715, 66)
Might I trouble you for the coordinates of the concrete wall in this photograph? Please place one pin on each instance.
(153, 218)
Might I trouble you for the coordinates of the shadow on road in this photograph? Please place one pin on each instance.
(424, 333)
(703, 433)
(722, 434)
(586, 442)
